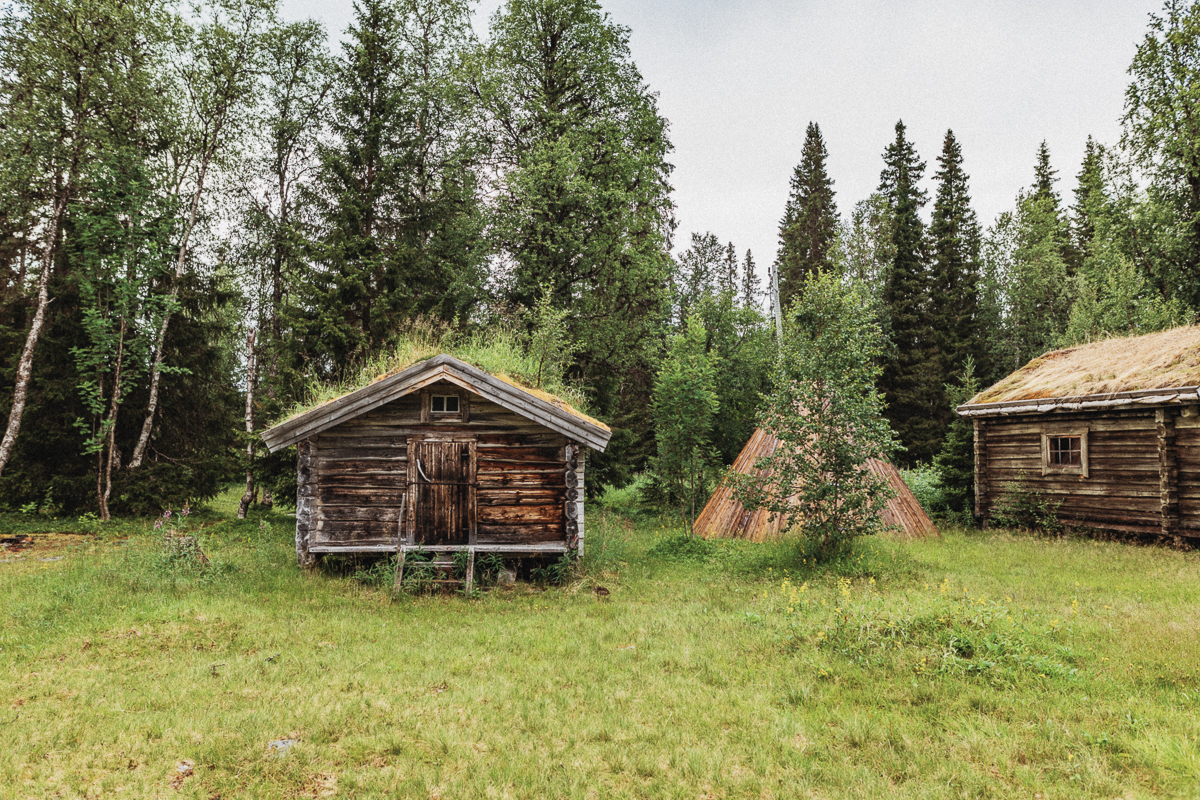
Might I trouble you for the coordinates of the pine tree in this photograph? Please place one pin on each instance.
(909, 369)
(810, 220)
(954, 293)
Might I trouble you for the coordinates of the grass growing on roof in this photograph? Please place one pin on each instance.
(977, 664)
(1161, 360)
(501, 350)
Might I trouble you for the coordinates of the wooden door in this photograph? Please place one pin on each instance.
(442, 475)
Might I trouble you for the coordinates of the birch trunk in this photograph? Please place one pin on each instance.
(244, 506)
(139, 451)
(111, 422)
(25, 365)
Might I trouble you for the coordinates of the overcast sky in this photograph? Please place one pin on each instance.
(739, 82)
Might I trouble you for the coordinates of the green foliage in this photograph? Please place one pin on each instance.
(925, 482)
(808, 230)
(627, 500)
(955, 463)
(828, 418)
(682, 547)
(1159, 135)
(578, 173)
(685, 402)
(954, 286)
(549, 343)
(1019, 506)
(910, 364)
(556, 572)
(399, 219)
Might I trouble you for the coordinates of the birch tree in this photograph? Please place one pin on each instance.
(218, 80)
(64, 67)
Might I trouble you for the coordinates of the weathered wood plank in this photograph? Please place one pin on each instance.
(391, 482)
(541, 439)
(520, 497)
(1141, 421)
(361, 513)
(519, 515)
(327, 529)
(360, 453)
(532, 531)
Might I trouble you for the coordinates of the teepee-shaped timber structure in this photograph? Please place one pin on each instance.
(725, 517)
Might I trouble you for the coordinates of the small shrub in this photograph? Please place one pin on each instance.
(925, 481)
(419, 572)
(1028, 509)
(488, 569)
(378, 574)
(555, 572)
(628, 500)
(683, 547)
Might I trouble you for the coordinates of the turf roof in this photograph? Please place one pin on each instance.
(397, 365)
(1167, 359)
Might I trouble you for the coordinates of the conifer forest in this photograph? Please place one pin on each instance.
(209, 215)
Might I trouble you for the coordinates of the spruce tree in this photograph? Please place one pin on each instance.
(751, 287)
(581, 198)
(954, 291)
(1089, 198)
(1045, 195)
(809, 226)
(909, 370)
(400, 225)
(956, 460)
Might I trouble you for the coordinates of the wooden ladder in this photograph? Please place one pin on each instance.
(444, 561)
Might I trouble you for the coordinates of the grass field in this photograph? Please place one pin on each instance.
(976, 665)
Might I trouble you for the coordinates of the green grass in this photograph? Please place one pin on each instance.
(977, 665)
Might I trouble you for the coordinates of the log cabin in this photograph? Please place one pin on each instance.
(441, 457)
(1108, 432)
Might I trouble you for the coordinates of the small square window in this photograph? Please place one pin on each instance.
(1066, 451)
(444, 404)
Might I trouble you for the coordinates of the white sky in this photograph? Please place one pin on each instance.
(739, 82)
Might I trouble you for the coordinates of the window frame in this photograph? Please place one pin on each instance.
(1082, 469)
(463, 414)
(433, 398)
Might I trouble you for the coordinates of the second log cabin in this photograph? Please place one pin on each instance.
(1108, 433)
(440, 456)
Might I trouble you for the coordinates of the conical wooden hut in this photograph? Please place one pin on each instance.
(724, 517)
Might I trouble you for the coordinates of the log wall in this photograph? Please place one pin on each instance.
(1143, 468)
(360, 472)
